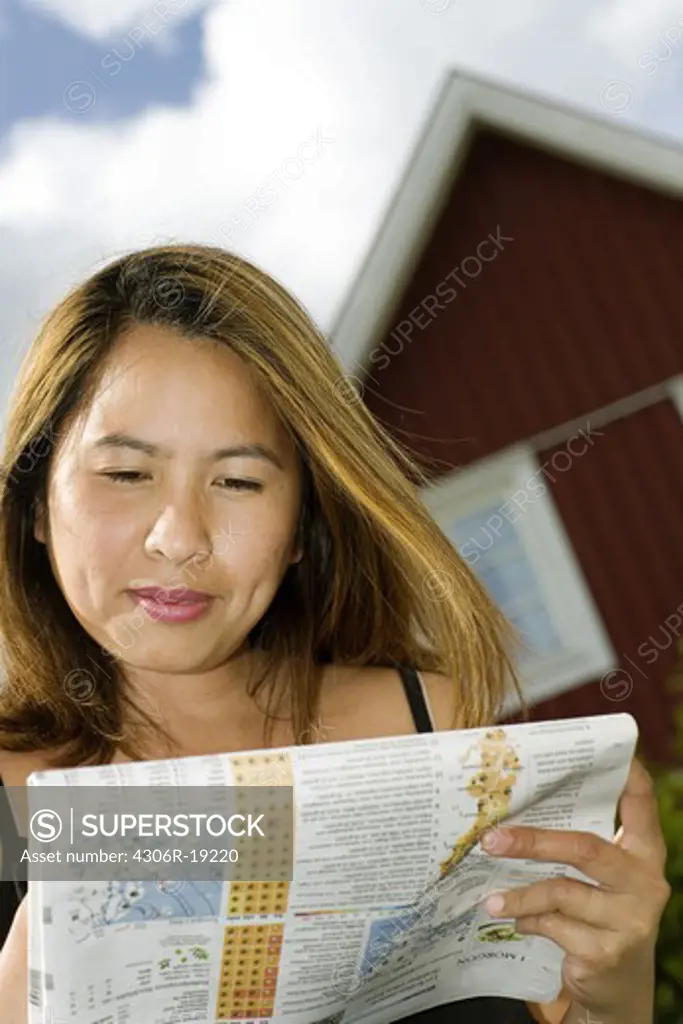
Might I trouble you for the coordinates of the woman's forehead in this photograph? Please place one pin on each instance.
(151, 354)
(180, 392)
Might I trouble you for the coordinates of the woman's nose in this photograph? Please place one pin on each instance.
(179, 532)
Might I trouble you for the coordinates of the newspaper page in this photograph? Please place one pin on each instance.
(381, 917)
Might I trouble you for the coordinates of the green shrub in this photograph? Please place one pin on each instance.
(669, 785)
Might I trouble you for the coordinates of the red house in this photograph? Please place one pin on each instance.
(516, 322)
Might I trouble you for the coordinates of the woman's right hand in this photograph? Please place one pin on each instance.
(14, 969)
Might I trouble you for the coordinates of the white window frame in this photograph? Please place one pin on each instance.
(586, 652)
(675, 387)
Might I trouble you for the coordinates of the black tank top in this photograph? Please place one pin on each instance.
(465, 1011)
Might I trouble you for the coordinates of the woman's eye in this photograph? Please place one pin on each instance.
(130, 476)
(126, 476)
(234, 484)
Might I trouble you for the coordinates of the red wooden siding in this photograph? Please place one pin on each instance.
(579, 310)
(623, 510)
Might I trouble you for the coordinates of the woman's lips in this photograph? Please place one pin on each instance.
(171, 595)
(165, 607)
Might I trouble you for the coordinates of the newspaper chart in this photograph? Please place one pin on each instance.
(383, 916)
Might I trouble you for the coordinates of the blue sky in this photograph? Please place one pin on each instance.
(135, 121)
(49, 68)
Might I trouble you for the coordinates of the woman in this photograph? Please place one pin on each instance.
(208, 544)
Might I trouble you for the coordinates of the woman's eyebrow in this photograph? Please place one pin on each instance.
(252, 451)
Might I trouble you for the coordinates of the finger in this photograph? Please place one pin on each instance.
(641, 830)
(601, 947)
(578, 900)
(597, 858)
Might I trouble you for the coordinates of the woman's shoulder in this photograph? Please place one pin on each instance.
(16, 766)
(359, 702)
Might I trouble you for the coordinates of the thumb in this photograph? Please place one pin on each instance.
(640, 832)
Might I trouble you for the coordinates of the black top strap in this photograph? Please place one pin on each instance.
(9, 822)
(12, 889)
(13, 845)
(412, 684)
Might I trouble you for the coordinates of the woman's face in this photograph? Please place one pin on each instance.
(144, 491)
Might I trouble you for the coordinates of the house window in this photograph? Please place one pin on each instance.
(500, 516)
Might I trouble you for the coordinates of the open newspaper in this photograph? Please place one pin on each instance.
(381, 916)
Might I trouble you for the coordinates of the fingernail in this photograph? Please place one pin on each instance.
(496, 841)
(494, 904)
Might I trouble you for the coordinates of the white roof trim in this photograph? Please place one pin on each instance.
(463, 104)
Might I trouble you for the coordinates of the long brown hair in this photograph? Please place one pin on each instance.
(379, 582)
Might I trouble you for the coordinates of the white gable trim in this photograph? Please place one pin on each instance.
(413, 211)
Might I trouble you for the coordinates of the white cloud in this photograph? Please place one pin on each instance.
(628, 27)
(277, 75)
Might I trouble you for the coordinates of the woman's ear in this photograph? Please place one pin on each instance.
(39, 521)
(297, 548)
(298, 543)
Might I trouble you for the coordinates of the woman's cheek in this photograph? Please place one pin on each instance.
(259, 536)
(258, 557)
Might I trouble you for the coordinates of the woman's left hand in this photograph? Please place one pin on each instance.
(608, 931)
